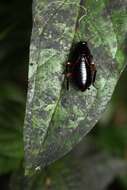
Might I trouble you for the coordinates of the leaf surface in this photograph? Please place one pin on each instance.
(57, 119)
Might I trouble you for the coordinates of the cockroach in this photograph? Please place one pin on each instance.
(80, 67)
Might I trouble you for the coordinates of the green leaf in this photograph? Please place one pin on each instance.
(11, 119)
(112, 139)
(57, 119)
(75, 171)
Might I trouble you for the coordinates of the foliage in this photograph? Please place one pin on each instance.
(56, 119)
(14, 41)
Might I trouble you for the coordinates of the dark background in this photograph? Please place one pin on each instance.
(109, 135)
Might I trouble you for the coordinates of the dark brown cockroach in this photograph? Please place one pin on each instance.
(80, 67)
